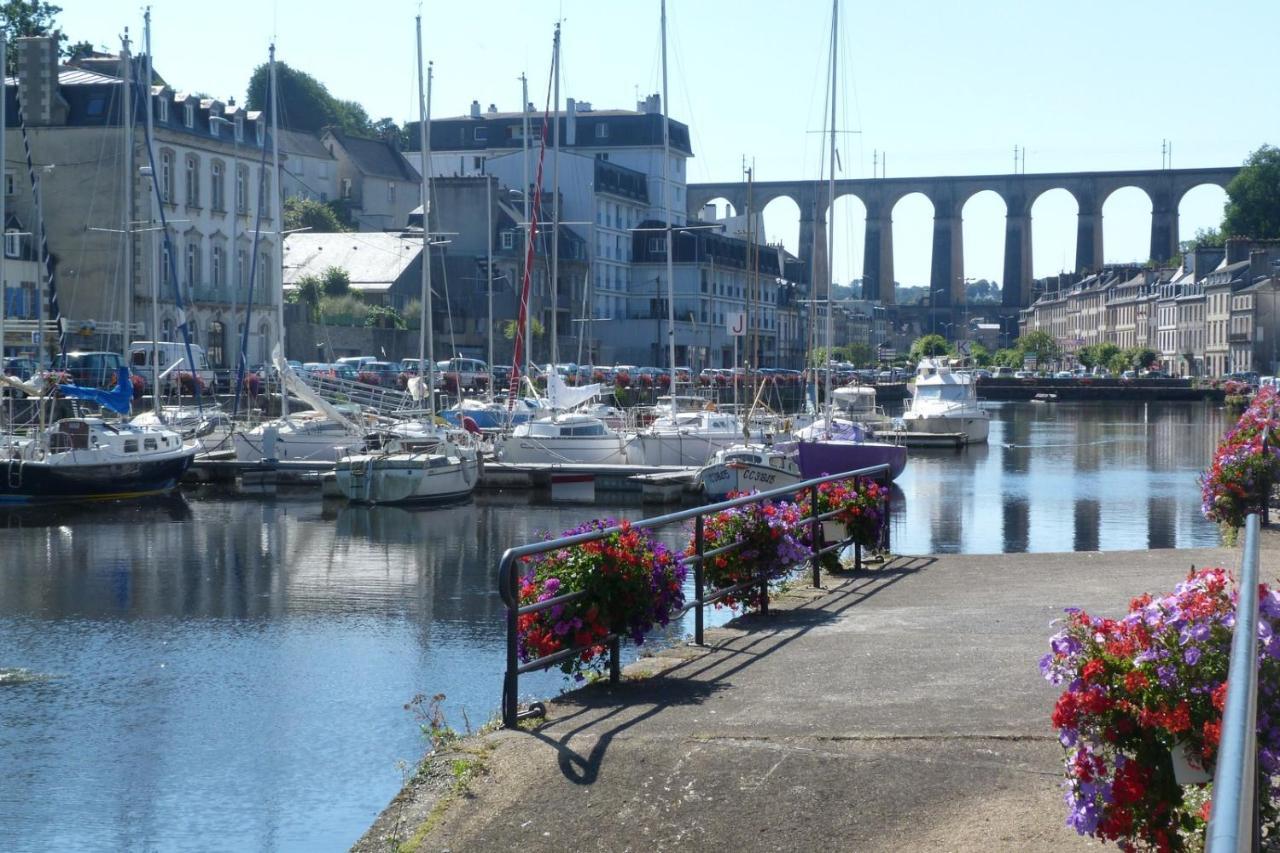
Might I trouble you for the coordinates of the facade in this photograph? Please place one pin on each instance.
(308, 170)
(372, 178)
(210, 186)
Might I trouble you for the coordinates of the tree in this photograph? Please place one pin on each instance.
(308, 290)
(1007, 358)
(1204, 237)
(1119, 362)
(305, 102)
(929, 345)
(981, 355)
(387, 129)
(335, 281)
(1253, 197)
(859, 354)
(1141, 358)
(318, 217)
(20, 18)
(1039, 344)
(1097, 355)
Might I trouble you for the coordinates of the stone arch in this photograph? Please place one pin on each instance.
(1200, 207)
(1054, 213)
(781, 214)
(848, 250)
(912, 213)
(719, 207)
(983, 215)
(1126, 223)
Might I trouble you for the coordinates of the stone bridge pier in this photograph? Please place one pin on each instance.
(1165, 188)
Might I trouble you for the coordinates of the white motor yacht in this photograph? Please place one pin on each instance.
(858, 404)
(946, 402)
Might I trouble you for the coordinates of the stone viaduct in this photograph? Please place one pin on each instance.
(1165, 188)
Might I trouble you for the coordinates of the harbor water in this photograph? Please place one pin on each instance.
(230, 673)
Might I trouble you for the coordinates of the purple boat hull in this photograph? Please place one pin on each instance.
(817, 458)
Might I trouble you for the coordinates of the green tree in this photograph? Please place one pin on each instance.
(1097, 355)
(20, 18)
(1141, 358)
(308, 290)
(335, 281)
(386, 128)
(1040, 344)
(1253, 197)
(859, 354)
(315, 216)
(981, 355)
(305, 102)
(1008, 357)
(1119, 362)
(929, 345)
(1204, 237)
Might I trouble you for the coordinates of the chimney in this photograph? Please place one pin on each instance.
(38, 81)
(571, 122)
(475, 109)
(1260, 263)
(493, 108)
(1237, 250)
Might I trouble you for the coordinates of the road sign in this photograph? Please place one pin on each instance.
(735, 322)
(887, 353)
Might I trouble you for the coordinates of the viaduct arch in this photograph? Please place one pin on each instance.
(1165, 188)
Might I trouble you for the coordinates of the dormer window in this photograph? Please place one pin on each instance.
(602, 131)
(481, 134)
(189, 115)
(239, 128)
(260, 133)
(163, 112)
(12, 243)
(215, 127)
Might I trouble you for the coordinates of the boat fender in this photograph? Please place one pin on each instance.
(469, 424)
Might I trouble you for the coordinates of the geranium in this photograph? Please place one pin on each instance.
(632, 583)
(768, 546)
(858, 504)
(1245, 464)
(1140, 687)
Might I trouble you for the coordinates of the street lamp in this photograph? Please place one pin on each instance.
(933, 308)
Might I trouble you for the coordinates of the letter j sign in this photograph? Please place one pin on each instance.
(736, 323)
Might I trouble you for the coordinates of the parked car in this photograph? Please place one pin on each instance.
(1128, 375)
(463, 373)
(1064, 374)
(91, 369)
(1023, 374)
(357, 361)
(385, 374)
(170, 354)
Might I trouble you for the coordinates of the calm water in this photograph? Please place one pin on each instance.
(230, 674)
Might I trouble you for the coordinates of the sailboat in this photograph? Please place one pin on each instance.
(830, 446)
(324, 433)
(89, 457)
(416, 462)
(568, 434)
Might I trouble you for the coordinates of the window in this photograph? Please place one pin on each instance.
(242, 271)
(346, 189)
(217, 191)
(215, 127)
(391, 192)
(242, 189)
(481, 134)
(602, 131)
(163, 108)
(12, 243)
(8, 183)
(260, 132)
(264, 266)
(477, 163)
(264, 200)
(165, 267)
(215, 269)
(239, 128)
(189, 115)
(657, 244)
(217, 343)
(166, 176)
(508, 239)
(193, 181)
(193, 264)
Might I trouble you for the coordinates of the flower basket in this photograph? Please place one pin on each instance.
(1245, 467)
(1141, 714)
(834, 531)
(632, 584)
(767, 548)
(860, 514)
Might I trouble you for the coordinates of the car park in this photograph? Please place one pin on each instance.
(1064, 374)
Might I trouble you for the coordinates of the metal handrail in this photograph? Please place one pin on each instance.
(508, 577)
(1233, 820)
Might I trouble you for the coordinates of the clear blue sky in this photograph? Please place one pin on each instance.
(942, 87)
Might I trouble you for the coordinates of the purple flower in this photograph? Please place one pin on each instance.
(1191, 655)
(1168, 675)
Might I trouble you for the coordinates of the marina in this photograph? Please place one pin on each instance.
(273, 640)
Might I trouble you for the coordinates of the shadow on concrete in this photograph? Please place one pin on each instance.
(692, 682)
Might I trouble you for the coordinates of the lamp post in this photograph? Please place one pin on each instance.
(933, 308)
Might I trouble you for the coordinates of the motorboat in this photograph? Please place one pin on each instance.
(945, 401)
(89, 458)
(689, 437)
(835, 445)
(1045, 397)
(568, 437)
(858, 404)
(745, 468)
(411, 466)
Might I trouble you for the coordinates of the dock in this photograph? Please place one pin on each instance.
(910, 438)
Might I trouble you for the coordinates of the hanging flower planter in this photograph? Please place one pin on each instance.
(834, 531)
(1188, 767)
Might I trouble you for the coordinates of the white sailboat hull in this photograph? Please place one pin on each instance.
(592, 450)
(720, 479)
(282, 440)
(406, 477)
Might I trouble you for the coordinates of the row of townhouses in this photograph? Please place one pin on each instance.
(221, 206)
(1215, 314)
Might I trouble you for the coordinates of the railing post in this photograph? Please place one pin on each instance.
(814, 538)
(511, 681)
(615, 660)
(764, 597)
(698, 581)
(888, 514)
(857, 556)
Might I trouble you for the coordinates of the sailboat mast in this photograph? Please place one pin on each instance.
(156, 259)
(524, 141)
(555, 204)
(488, 266)
(831, 207)
(277, 213)
(4, 293)
(126, 104)
(668, 214)
(426, 338)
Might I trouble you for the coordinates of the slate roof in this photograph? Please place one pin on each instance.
(304, 144)
(376, 157)
(373, 261)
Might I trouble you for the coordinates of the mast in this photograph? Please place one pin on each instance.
(426, 339)
(4, 292)
(127, 103)
(524, 142)
(831, 209)
(666, 204)
(555, 204)
(278, 214)
(157, 272)
(488, 207)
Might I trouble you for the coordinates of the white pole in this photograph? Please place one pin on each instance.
(831, 210)
(127, 106)
(668, 214)
(488, 207)
(426, 334)
(156, 260)
(524, 136)
(276, 210)
(555, 205)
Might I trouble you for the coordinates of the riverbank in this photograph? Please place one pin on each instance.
(1100, 390)
(899, 708)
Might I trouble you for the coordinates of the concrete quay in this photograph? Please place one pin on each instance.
(899, 708)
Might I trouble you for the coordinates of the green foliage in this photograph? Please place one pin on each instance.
(1007, 358)
(1253, 197)
(1040, 344)
(20, 18)
(929, 345)
(305, 102)
(509, 329)
(859, 354)
(384, 317)
(318, 217)
(346, 310)
(980, 355)
(412, 313)
(335, 281)
(1204, 237)
(386, 128)
(1097, 355)
(1119, 362)
(981, 291)
(308, 290)
(1141, 358)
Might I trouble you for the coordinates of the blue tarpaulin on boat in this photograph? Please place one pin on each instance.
(117, 399)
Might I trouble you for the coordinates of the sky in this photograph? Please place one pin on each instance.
(940, 87)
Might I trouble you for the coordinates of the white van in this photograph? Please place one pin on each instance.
(168, 354)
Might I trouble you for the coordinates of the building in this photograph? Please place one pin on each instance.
(378, 187)
(210, 184)
(307, 168)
